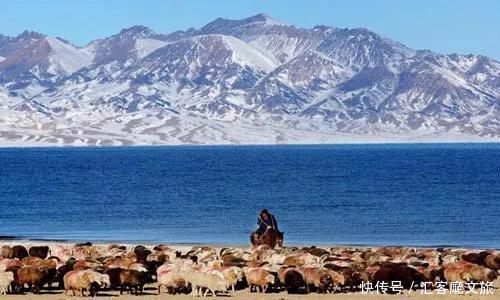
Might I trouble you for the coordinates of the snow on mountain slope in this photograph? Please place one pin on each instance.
(246, 55)
(278, 40)
(128, 45)
(143, 47)
(254, 80)
(66, 57)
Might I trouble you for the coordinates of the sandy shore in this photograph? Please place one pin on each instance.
(151, 291)
(245, 295)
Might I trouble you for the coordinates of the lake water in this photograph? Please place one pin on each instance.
(423, 195)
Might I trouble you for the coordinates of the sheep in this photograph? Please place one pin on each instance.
(62, 252)
(71, 282)
(19, 251)
(114, 277)
(315, 251)
(102, 279)
(119, 263)
(141, 253)
(78, 280)
(352, 278)
(210, 280)
(338, 280)
(61, 271)
(390, 272)
(172, 280)
(258, 277)
(449, 259)
(133, 280)
(232, 275)
(319, 278)
(39, 251)
(492, 261)
(35, 277)
(293, 279)
(14, 286)
(96, 279)
(6, 278)
(31, 260)
(480, 274)
(6, 263)
(6, 252)
(215, 264)
(452, 274)
(301, 260)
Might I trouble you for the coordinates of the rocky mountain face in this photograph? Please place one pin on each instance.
(254, 80)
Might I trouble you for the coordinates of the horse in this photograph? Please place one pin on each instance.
(270, 237)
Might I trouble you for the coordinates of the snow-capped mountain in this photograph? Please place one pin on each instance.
(254, 80)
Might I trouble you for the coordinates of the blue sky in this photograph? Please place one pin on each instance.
(447, 26)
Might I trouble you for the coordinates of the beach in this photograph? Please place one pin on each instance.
(254, 296)
(221, 252)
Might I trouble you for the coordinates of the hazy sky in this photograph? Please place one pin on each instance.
(461, 26)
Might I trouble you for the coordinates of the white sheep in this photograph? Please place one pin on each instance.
(172, 280)
(210, 281)
(232, 275)
(6, 278)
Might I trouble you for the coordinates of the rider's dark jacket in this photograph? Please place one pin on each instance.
(264, 222)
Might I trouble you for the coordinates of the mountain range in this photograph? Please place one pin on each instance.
(249, 81)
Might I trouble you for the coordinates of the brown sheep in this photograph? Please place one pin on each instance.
(492, 261)
(294, 281)
(119, 263)
(133, 280)
(39, 251)
(338, 280)
(294, 261)
(259, 278)
(429, 274)
(480, 274)
(19, 251)
(389, 272)
(352, 277)
(30, 260)
(476, 258)
(116, 246)
(34, 277)
(318, 278)
(456, 274)
(315, 251)
(61, 271)
(114, 277)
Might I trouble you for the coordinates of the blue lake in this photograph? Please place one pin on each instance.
(423, 195)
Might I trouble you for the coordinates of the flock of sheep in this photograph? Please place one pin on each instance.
(83, 269)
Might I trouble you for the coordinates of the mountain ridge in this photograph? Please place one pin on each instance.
(254, 80)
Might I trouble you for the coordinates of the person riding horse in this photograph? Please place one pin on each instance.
(265, 222)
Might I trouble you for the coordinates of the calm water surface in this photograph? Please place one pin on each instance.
(423, 195)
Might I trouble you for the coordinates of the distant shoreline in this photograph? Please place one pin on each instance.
(228, 145)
